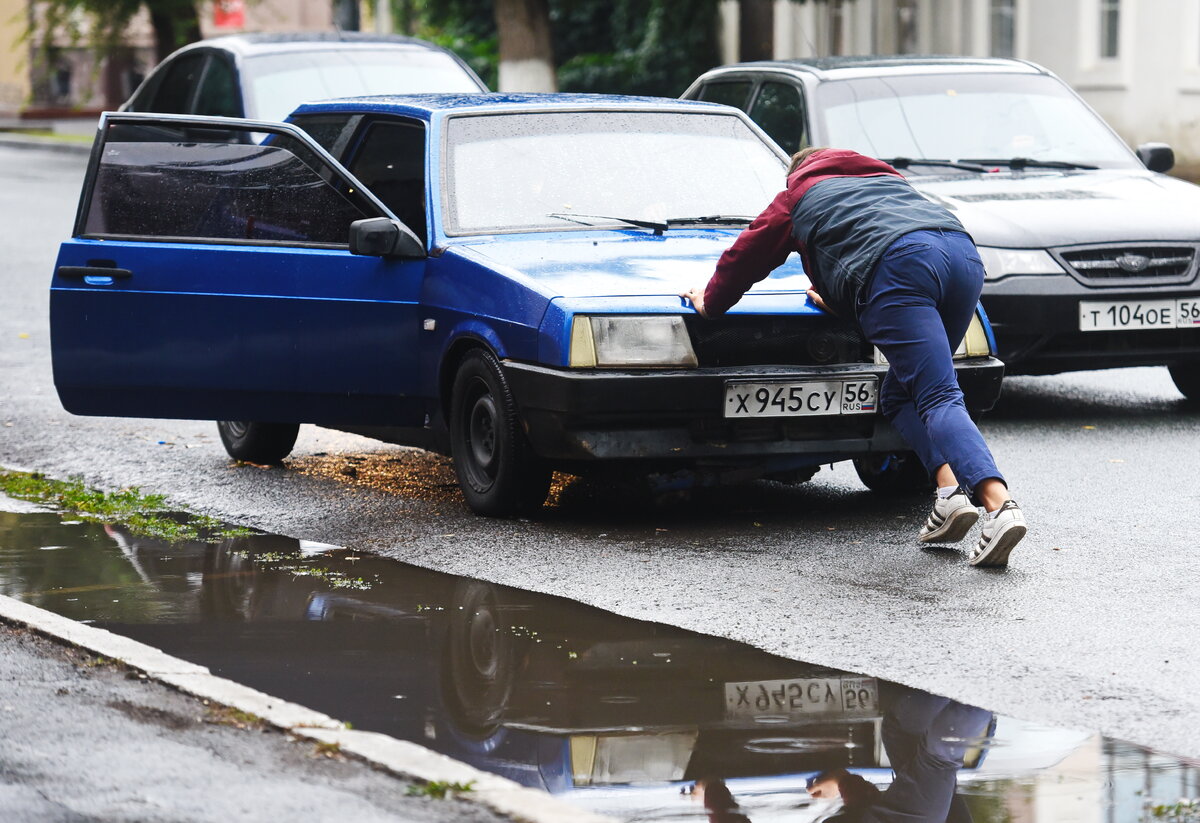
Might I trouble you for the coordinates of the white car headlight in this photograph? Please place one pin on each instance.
(974, 343)
(632, 341)
(998, 263)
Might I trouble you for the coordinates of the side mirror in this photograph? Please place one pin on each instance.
(1156, 156)
(384, 237)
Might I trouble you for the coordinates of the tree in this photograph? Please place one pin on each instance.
(175, 22)
(526, 57)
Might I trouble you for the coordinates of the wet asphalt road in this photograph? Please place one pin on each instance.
(1093, 625)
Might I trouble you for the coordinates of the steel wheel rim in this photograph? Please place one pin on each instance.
(482, 435)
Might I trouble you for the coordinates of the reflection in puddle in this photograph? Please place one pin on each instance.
(638, 720)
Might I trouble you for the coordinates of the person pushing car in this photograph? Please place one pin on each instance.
(879, 253)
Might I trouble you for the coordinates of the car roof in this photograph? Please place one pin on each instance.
(428, 105)
(247, 45)
(873, 65)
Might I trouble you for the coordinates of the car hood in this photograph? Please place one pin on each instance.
(625, 264)
(1035, 209)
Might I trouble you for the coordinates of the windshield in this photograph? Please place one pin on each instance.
(563, 170)
(278, 83)
(965, 117)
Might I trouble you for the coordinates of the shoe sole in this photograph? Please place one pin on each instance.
(954, 529)
(997, 552)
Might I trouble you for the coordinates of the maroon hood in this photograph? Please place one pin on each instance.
(824, 164)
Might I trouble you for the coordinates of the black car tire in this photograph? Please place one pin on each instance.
(1187, 378)
(496, 467)
(899, 473)
(258, 442)
(480, 660)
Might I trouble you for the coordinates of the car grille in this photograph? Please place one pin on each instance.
(1103, 264)
(757, 340)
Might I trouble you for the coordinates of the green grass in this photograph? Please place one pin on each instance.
(53, 135)
(439, 789)
(1184, 811)
(143, 514)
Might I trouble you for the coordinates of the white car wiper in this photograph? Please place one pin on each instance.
(901, 163)
(657, 226)
(1018, 163)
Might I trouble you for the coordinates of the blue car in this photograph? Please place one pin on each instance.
(494, 277)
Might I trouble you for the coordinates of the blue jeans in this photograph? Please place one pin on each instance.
(916, 309)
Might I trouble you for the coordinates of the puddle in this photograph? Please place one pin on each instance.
(638, 720)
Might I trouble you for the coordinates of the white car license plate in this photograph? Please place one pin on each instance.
(1118, 315)
(802, 697)
(799, 398)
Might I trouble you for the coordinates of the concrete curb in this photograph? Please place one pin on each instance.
(26, 141)
(400, 757)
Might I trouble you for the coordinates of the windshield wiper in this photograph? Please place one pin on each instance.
(1018, 163)
(658, 226)
(712, 220)
(900, 163)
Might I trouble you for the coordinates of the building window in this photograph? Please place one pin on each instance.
(1002, 18)
(906, 26)
(1110, 28)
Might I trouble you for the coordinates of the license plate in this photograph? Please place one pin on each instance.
(802, 697)
(1118, 315)
(801, 398)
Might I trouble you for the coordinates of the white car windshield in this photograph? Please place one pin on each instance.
(965, 117)
(562, 170)
(277, 83)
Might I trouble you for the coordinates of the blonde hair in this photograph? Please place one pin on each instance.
(799, 157)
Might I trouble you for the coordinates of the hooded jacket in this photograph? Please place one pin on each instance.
(840, 211)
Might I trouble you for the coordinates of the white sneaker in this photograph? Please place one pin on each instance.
(1001, 533)
(952, 517)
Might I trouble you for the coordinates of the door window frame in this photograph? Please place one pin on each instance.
(349, 186)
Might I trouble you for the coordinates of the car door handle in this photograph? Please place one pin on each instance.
(82, 272)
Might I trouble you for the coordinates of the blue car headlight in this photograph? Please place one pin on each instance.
(630, 341)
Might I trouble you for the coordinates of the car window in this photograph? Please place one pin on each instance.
(564, 170)
(218, 95)
(727, 94)
(174, 94)
(391, 163)
(965, 117)
(217, 185)
(778, 109)
(275, 84)
(331, 132)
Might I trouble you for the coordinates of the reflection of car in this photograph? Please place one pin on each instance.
(1091, 253)
(265, 76)
(521, 314)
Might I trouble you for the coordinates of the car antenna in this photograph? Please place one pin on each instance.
(338, 29)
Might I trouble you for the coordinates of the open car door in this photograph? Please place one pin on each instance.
(209, 277)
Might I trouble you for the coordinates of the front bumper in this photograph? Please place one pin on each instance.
(670, 416)
(1036, 322)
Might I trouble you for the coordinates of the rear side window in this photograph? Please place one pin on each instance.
(727, 94)
(163, 181)
(174, 93)
(219, 96)
(780, 112)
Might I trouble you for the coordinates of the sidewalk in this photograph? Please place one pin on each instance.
(65, 134)
(86, 739)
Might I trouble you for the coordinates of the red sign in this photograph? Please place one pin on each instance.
(229, 14)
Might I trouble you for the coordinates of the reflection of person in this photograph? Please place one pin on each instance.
(926, 738)
(878, 252)
(719, 801)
